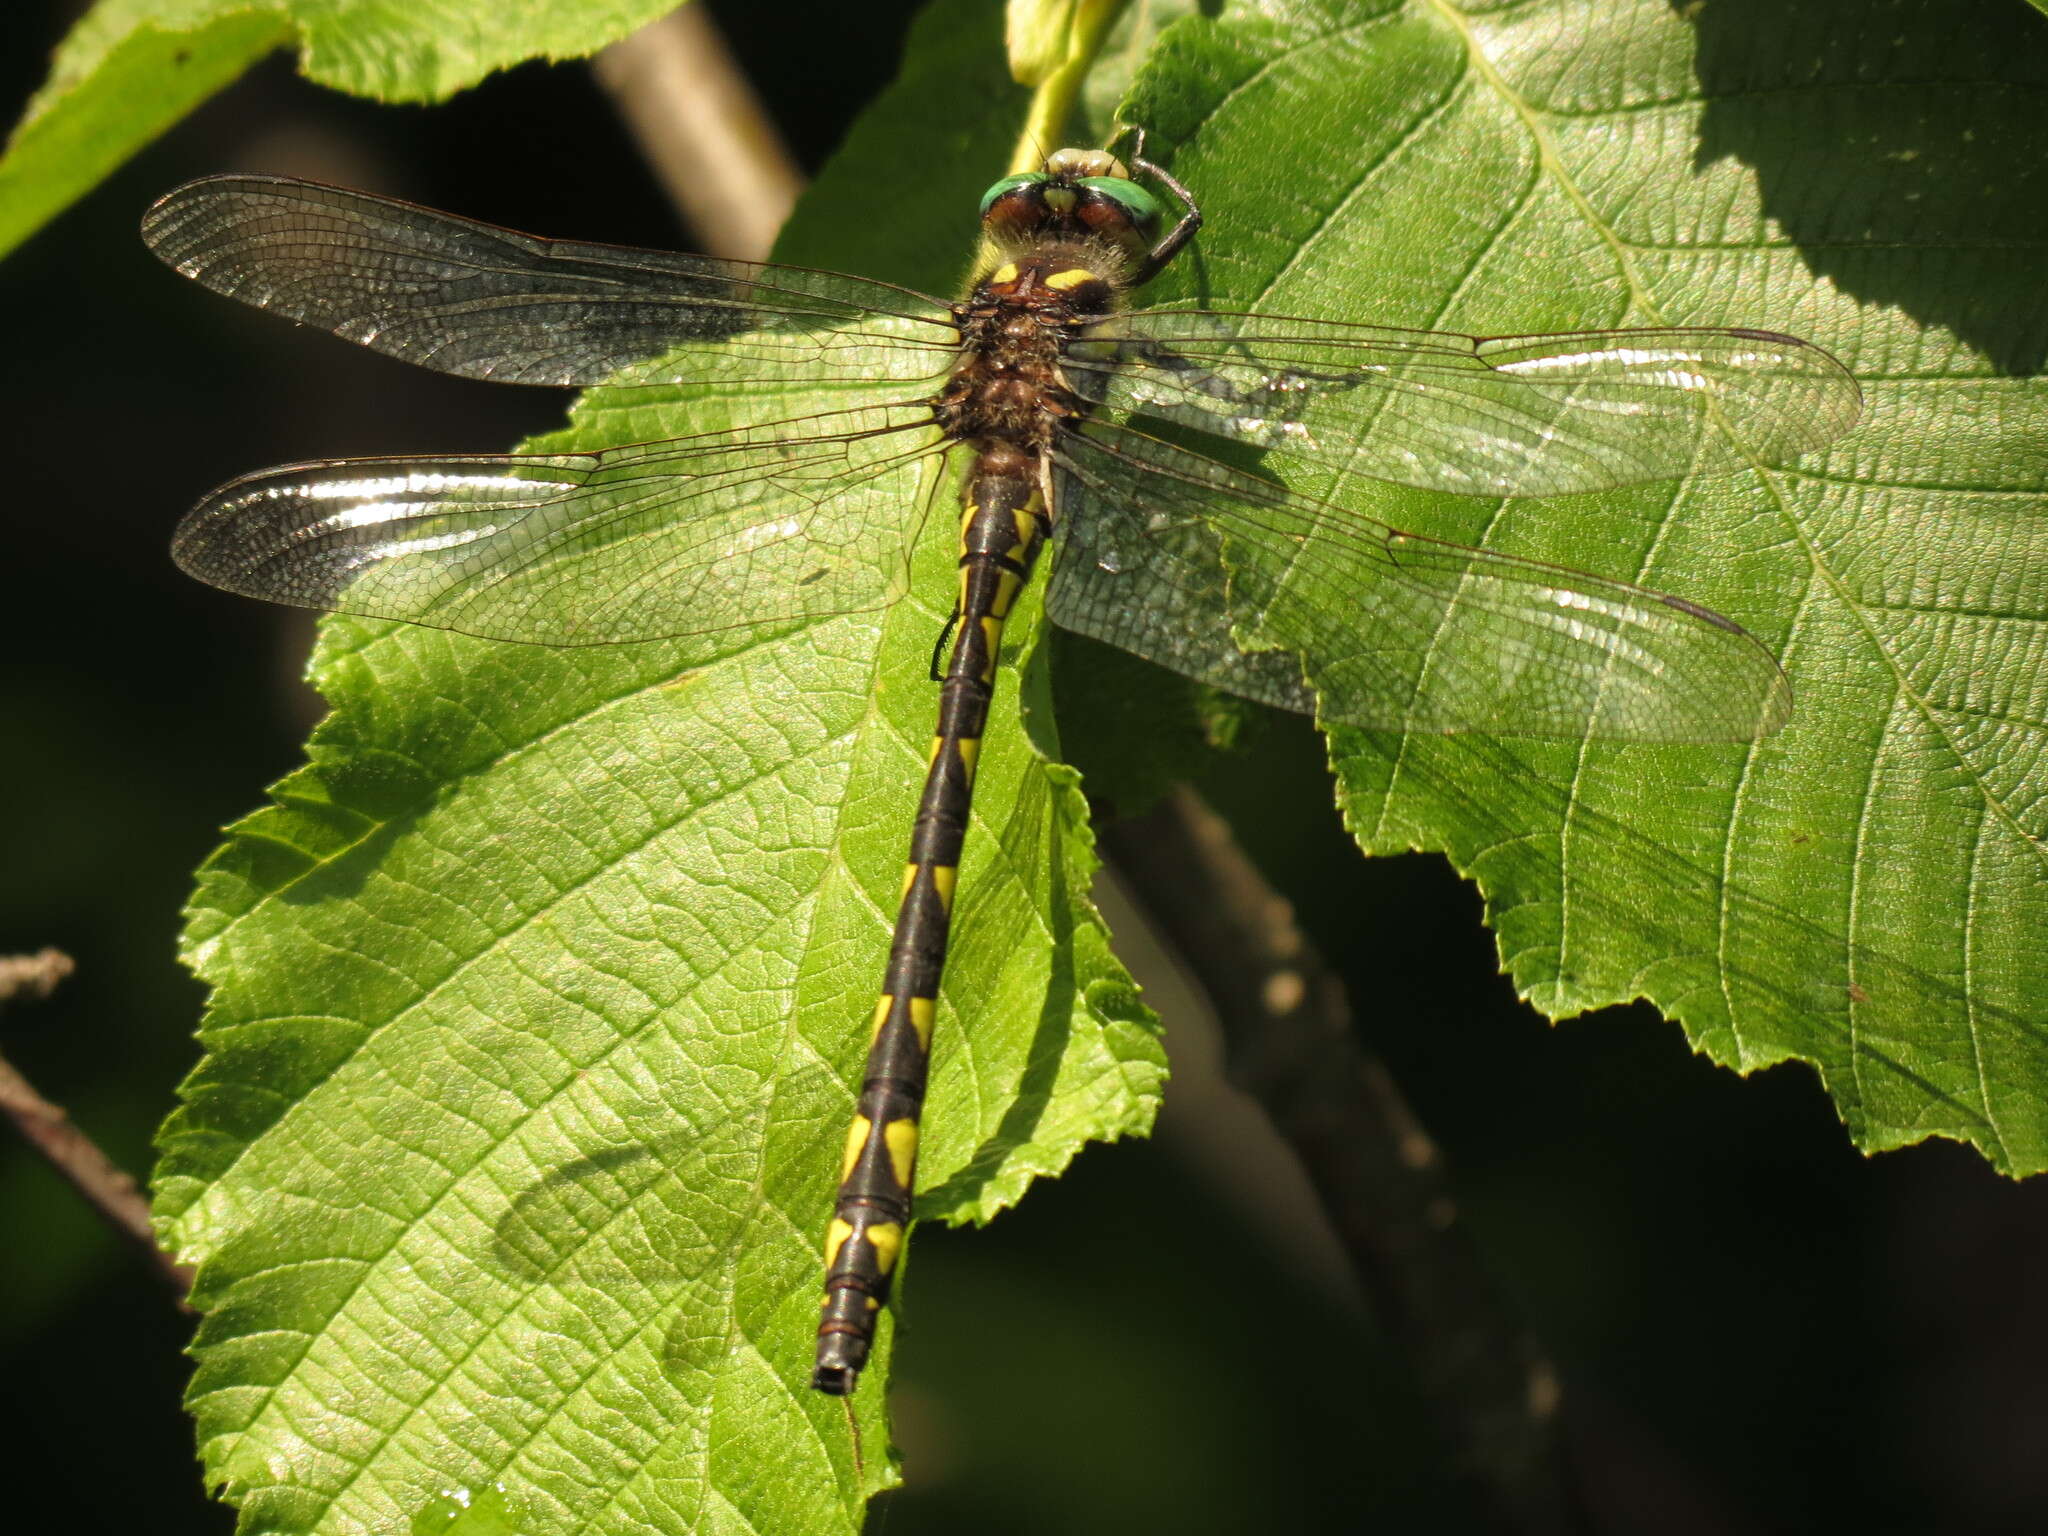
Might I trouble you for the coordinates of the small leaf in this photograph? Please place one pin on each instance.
(132, 68)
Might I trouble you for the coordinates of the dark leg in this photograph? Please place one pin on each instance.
(939, 650)
(1181, 233)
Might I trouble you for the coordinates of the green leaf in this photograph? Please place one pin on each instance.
(541, 995)
(132, 68)
(540, 991)
(1864, 891)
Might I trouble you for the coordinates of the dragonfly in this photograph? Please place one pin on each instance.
(1153, 448)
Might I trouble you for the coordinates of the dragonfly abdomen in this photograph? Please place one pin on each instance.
(1002, 527)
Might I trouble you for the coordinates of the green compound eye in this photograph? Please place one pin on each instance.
(1009, 184)
(1141, 207)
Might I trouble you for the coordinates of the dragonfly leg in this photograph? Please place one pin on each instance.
(939, 650)
(1181, 233)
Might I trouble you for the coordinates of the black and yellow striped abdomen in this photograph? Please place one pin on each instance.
(1003, 524)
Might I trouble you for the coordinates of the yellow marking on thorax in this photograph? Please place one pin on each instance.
(901, 1138)
(1004, 275)
(856, 1142)
(1073, 277)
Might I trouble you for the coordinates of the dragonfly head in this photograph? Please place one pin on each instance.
(1082, 194)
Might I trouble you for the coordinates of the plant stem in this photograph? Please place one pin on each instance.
(701, 127)
(1287, 1029)
(46, 1128)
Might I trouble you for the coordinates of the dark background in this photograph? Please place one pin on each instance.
(1759, 1330)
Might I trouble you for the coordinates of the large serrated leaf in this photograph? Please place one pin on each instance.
(540, 996)
(1864, 891)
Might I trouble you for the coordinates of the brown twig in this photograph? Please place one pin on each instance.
(35, 976)
(46, 1128)
(704, 132)
(1287, 1027)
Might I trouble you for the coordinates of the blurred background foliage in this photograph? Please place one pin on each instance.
(1759, 1331)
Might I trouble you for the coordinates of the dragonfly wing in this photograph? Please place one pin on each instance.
(1159, 592)
(1394, 631)
(788, 521)
(1494, 416)
(472, 299)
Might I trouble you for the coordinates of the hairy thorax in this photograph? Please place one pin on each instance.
(1009, 387)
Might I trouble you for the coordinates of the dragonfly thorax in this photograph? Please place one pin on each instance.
(1008, 386)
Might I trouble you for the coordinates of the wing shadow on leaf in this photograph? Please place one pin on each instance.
(629, 1222)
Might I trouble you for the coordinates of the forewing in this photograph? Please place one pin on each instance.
(1495, 416)
(791, 520)
(1393, 630)
(472, 299)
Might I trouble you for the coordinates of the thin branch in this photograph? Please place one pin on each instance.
(33, 977)
(47, 1129)
(704, 132)
(1288, 1030)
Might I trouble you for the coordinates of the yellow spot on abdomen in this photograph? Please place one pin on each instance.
(881, 1015)
(835, 1239)
(921, 1011)
(856, 1142)
(992, 632)
(901, 1138)
(943, 876)
(887, 1238)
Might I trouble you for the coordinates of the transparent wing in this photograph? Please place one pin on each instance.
(1137, 567)
(1186, 561)
(472, 299)
(1495, 416)
(796, 519)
